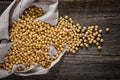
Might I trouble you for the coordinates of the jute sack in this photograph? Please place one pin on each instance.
(12, 13)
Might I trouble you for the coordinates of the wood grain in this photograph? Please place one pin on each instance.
(87, 64)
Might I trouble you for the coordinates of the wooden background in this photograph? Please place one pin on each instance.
(87, 64)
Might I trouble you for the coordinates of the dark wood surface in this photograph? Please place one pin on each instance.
(87, 64)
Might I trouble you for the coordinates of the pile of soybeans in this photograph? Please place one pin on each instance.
(32, 39)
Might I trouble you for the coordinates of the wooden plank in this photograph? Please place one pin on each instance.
(87, 64)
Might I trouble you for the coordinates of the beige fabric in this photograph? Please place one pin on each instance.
(11, 14)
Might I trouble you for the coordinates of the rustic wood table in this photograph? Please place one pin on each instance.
(87, 64)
